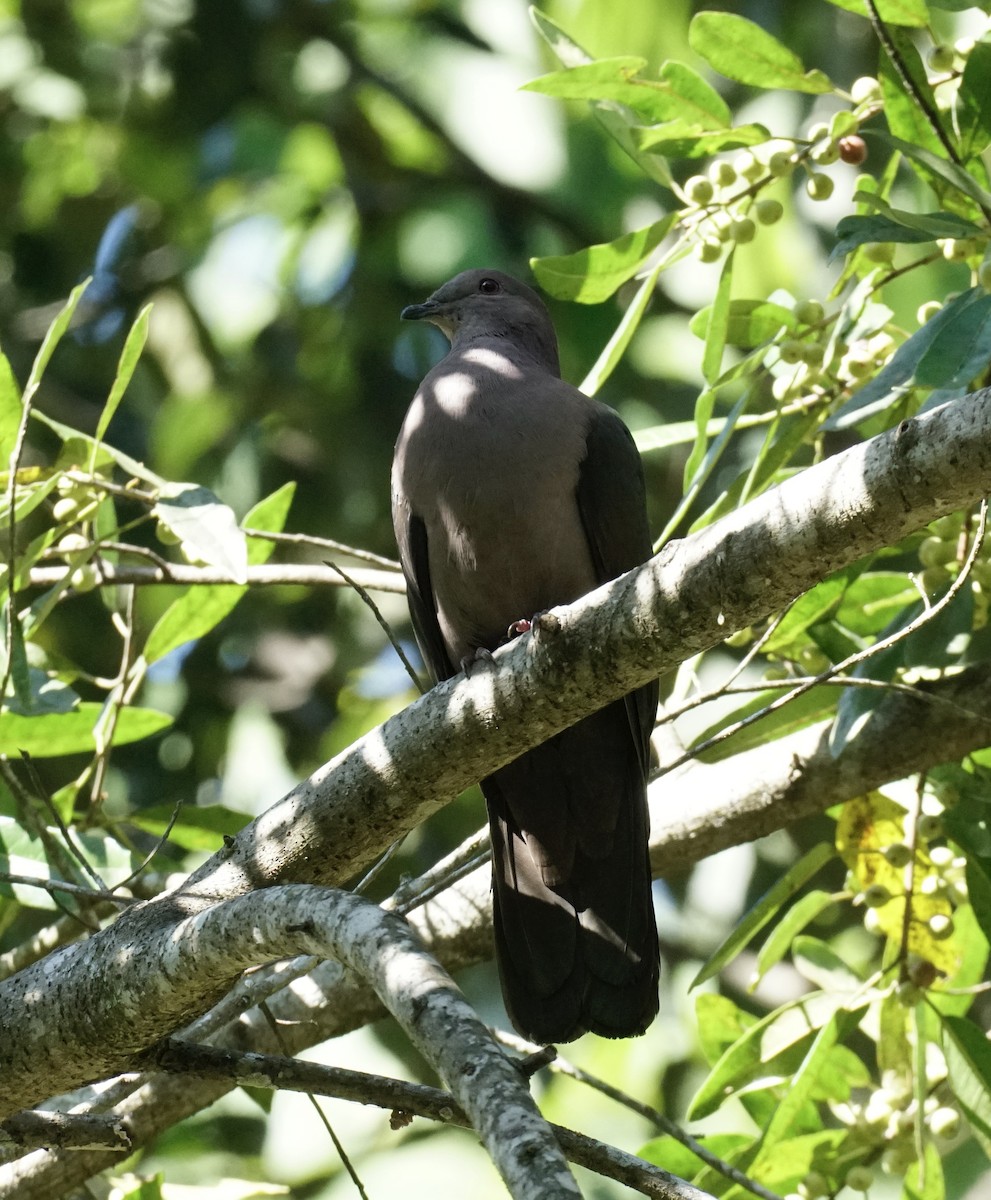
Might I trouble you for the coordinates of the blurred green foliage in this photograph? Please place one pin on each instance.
(277, 180)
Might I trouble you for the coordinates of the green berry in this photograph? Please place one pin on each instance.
(940, 58)
(65, 510)
(742, 231)
(877, 896)
(749, 167)
(842, 123)
(827, 153)
(699, 190)
(940, 926)
(934, 579)
(709, 250)
(859, 1179)
(897, 855)
(927, 311)
(809, 312)
(929, 825)
(781, 163)
(72, 544)
(819, 186)
(84, 578)
(945, 1122)
(768, 212)
(865, 90)
(984, 275)
(722, 173)
(935, 552)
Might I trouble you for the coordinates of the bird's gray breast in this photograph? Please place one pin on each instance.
(489, 458)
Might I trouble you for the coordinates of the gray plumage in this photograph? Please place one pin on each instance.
(513, 492)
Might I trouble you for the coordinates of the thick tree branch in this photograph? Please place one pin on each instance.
(688, 598)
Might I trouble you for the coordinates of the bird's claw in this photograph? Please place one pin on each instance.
(525, 625)
(479, 654)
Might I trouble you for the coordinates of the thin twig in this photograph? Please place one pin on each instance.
(306, 539)
(342, 1154)
(386, 627)
(60, 885)
(162, 841)
(77, 852)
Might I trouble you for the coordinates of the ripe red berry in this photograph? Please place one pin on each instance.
(853, 149)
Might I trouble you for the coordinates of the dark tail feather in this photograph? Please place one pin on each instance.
(574, 923)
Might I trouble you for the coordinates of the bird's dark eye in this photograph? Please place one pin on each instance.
(489, 287)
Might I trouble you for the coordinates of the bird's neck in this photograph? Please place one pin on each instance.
(537, 344)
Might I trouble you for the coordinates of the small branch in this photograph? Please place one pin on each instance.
(320, 543)
(58, 885)
(261, 575)
(383, 624)
(406, 1099)
(42, 1130)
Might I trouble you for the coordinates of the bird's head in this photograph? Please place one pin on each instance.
(484, 304)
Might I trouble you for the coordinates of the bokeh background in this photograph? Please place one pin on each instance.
(280, 179)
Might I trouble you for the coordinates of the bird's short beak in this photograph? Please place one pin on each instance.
(420, 312)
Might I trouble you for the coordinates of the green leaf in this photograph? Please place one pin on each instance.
(52, 339)
(741, 50)
(766, 1052)
(200, 609)
(51, 735)
(204, 525)
(905, 116)
(593, 274)
(819, 963)
(779, 940)
(124, 461)
(617, 123)
(602, 79)
(961, 350)
(968, 1064)
(805, 1080)
(615, 348)
(899, 375)
(718, 323)
(679, 94)
(813, 705)
(924, 1179)
(766, 909)
(129, 356)
(860, 230)
(677, 139)
(816, 605)
(749, 323)
(720, 1023)
(677, 1159)
(10, 411)
(892, 12)
(974, 102)
(796, 1157)
(948, 171)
